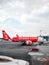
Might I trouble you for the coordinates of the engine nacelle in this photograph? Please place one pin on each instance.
(28, 42)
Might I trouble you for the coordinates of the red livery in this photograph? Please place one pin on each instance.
(27, 40)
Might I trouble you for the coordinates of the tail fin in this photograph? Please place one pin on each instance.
(5, 35)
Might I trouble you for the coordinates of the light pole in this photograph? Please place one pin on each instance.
(40, 32)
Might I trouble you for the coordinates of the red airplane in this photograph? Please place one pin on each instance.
(26, 40)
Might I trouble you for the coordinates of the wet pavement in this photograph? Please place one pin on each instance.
(18, 51)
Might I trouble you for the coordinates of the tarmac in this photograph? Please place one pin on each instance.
(16, 50)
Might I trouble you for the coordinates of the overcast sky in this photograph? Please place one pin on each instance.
(26, 17)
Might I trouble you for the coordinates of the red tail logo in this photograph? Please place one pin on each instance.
(5, 35)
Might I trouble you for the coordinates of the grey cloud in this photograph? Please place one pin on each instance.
(4, 1)
(29, 4)
(39, 21)
(45, 15)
